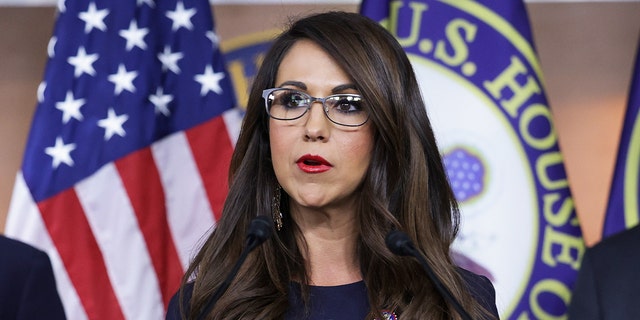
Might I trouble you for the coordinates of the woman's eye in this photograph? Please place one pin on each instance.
(348, 104)
(293, 100)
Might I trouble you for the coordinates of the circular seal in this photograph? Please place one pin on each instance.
(481, 83)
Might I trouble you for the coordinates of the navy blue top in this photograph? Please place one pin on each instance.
(346, 302)
(343, 302)
(349, 301)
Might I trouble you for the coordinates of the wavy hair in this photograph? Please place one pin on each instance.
(405, 188)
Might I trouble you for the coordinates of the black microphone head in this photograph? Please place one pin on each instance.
(399, 243)
(260, 229)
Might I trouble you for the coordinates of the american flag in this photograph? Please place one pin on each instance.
(125, 168)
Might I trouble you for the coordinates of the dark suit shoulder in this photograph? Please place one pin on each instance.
(28, 288)
(22, 253)
(606, 286)
(19, 259)
(622, 243)
(616, 254)
(481, 289)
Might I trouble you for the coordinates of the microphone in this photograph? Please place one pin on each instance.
(400, 244)
(260, 229)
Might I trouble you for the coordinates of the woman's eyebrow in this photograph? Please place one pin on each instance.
(296, 84)
(303, 86)
(344, 87)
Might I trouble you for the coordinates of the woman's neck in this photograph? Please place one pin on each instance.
(331, 243)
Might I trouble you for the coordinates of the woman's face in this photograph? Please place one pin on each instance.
(318, 163)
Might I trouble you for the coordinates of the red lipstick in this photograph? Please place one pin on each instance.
(313, 164)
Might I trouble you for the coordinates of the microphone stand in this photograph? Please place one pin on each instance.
(260, 229)
(400, 244)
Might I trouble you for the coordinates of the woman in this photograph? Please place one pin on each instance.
(337, 173)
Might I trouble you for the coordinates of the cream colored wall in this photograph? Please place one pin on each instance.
(586, 51)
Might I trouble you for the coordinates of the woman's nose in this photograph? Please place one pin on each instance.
(317, 124)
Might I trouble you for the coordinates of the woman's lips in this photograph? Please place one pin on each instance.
(313, 164)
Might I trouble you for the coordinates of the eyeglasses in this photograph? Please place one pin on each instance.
(287, 104)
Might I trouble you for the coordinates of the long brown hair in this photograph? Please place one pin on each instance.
(404, 188)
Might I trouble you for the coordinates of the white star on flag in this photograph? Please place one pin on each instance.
(61, 153)
(123, 80)
(210, 81)
(70, 107)
(214, 38)
(61, 6)
(161, 101)
(93, 18)
(112, 124)
(134, 36)
(170, 59)
(149, 2)
(40, 93)
(51, 47)
(181, 17)
(83, 63)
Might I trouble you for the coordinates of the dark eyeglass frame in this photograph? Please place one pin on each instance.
(267, 92)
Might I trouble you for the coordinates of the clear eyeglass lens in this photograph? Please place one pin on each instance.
(288, 104)
(346, 109)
